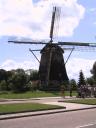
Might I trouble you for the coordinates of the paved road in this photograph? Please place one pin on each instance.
(77, 119)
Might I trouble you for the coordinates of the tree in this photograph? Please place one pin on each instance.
(93, 71)
(81, 79)
(90, 81)
(20, 71)
(18, 81)
(8, 78)
(73, 84)
(3, 74)
(4, 77)
(3, 85)
(34, 75)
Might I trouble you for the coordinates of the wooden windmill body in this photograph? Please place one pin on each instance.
(52, 68)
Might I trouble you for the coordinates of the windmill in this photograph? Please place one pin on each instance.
(52, 66)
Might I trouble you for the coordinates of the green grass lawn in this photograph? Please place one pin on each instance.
(25, 107)
(83, 101)
(34, 94)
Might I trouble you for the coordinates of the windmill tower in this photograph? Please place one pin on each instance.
(52, 68)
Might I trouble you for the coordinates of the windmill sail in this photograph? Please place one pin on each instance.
(52, 24)
(26, 42)
(77, 44)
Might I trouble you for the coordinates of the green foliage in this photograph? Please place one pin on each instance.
(20, 71)
(34, 75)
(81, 79)
(18, 81)
(32, 85)
(65, 84)
(3, 74)
(93, 71)
(73, 84)
(90, 81)
(8, 80)
(3, 85)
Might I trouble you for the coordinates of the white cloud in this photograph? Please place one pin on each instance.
(29, 19)
(11, 64)
(73, 66)
(76, 64)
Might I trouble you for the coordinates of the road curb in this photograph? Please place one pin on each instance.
(42, 113)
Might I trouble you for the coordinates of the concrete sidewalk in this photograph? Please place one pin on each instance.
(52, 101)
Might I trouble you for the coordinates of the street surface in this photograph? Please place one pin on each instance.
(75, 119)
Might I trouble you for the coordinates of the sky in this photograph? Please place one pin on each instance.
(31, 19)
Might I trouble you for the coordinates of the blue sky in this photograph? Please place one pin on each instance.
(32, 20)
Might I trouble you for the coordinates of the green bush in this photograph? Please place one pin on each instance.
(3, 85)
(18, 82)
(33, 85)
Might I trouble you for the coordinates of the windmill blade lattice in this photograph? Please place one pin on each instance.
(78, 46)
(26, 42)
